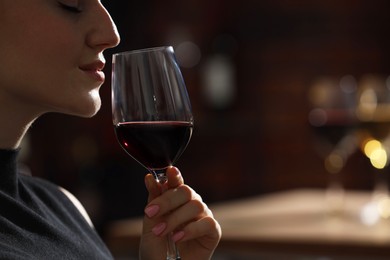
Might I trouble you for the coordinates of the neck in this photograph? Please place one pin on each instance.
(11, 135)
(15, 120)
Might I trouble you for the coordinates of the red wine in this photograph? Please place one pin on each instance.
(154, 144)
(332, 133)
(331, 125)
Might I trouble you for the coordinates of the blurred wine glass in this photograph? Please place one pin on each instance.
(373, 112)
(333, 121)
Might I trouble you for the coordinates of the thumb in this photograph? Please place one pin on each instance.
(175, 179)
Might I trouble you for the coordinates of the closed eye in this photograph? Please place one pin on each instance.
(70, 8)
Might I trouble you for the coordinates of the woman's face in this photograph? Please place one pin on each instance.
(52, 54)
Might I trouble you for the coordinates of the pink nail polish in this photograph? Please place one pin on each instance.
(159, 228)
(177, 236)
(152, 210)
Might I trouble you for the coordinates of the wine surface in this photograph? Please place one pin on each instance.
(154, 144)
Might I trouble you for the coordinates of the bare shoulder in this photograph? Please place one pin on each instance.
(78, 205)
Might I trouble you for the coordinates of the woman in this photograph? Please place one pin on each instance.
(52, 61)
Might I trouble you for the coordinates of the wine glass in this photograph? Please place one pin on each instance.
(151, 111)
(332, 117)
(373, 112)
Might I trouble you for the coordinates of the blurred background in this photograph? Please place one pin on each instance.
(249, 67)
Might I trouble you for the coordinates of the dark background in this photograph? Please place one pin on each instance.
(258, 142)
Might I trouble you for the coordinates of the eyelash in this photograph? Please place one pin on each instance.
(73, 9)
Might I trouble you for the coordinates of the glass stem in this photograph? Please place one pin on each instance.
(172, 252)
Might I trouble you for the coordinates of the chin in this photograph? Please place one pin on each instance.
(90, 112)
(86, 108)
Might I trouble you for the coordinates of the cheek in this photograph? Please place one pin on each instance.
(34, 53)
(46, 77)
(40, 65)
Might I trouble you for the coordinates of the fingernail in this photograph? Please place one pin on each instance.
(159, 228)
(152, 210)
(177, 236)
(178, 175)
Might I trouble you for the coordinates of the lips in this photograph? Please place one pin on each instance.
(94, 70)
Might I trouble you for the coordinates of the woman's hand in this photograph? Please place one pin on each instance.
(179, 210)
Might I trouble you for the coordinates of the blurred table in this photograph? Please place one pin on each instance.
(292, 223)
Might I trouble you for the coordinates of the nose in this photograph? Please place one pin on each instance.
(103, 34)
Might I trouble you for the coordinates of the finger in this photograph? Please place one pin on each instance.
(194, 209)
(206, 228)
(173, 199)
(174, 176)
